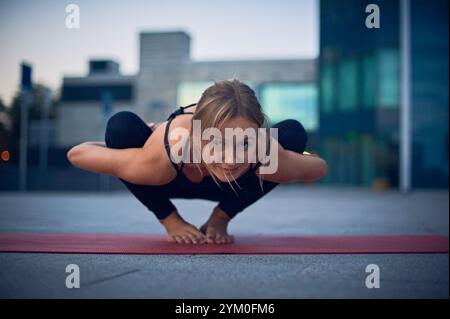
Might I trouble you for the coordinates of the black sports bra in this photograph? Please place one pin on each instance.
(179, 170)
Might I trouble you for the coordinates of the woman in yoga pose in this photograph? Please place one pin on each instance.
(142, 156)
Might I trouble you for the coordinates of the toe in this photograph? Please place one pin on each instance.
(186, 239)
(198, 236)
(210, 238)
(219, 239)
(193, 239)
(201, 240)
(177, 239)
(171, 239)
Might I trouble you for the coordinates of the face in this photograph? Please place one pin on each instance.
(229, 167)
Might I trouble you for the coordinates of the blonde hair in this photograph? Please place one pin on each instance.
(223, 101)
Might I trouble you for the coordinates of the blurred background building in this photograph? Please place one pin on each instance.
(360, 92)
(87, 102)
(348, 99)
(168, 78)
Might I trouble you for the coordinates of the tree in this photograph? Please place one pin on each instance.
(35, 111)
(5, 124)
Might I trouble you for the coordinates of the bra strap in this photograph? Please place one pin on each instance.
(258, 164)
(179, 111)
(167, 146)
(185, 107)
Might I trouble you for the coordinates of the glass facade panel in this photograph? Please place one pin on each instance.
(367, 90)
(190, 92)
(84, 93)
(348, 85)
(327, 84)
(389, 80)
(298, 101)
(369, 80)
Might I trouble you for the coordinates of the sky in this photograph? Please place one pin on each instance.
(35, 31)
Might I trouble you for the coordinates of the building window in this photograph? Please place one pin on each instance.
(327, 94)
(298, 101)
(369, 82)
(190, 92)
(94, 92)
(389, 80)
(348, 82)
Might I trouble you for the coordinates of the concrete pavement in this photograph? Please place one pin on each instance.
(286, 210)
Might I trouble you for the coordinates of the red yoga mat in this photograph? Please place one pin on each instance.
(257, 244)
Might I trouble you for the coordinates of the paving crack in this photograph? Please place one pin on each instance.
(100, 280)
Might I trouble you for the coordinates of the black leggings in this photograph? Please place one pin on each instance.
(127, 130)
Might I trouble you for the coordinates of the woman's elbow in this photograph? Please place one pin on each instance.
(323, 168)
(72, 155)
(321, 171)
(75, 155)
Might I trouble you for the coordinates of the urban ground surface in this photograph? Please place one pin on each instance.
(287, 210)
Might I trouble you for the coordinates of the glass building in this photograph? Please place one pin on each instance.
(279, 100)
(359, 96)
(298, 101)
(189, 92)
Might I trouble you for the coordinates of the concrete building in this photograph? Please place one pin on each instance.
(87, 102)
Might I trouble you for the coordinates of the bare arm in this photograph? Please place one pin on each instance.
(135, 165)
(98, 143)
(295, 167)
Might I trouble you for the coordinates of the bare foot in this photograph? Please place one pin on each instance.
(181, 232)
(215, 228)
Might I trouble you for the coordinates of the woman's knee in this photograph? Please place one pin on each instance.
(123, 130)
(292, 135)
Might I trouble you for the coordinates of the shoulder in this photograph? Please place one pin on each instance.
(178, 130)
(156, 155)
